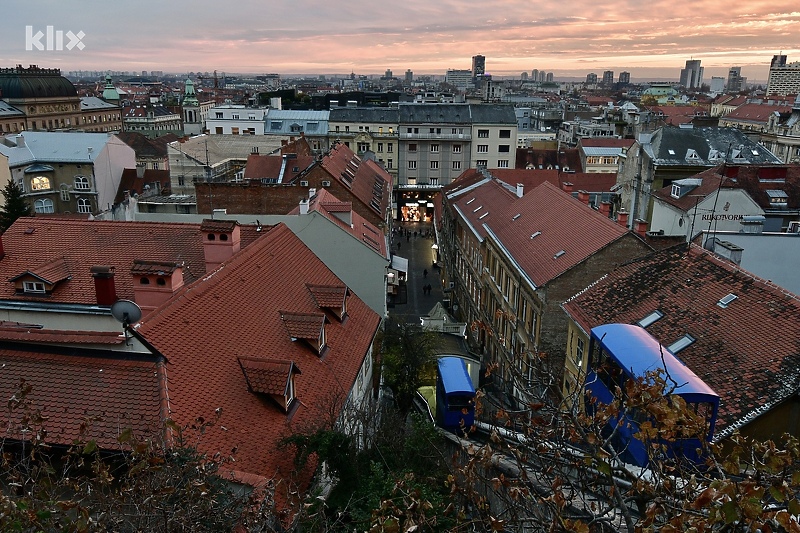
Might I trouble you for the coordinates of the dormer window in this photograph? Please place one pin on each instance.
(332, 298)
(36, 287)
(777, 199)
(676, 190)
(308, 327)
(274, 378)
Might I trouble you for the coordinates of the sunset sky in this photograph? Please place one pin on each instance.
(650, 39)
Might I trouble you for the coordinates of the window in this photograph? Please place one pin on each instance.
(579, 353)
(45, 205)
(380, 148)
(505, 134)
(84, 205)
(389, 164)
(40, 183)
(389, 147)
(433, 180)
(412, 165)
(482, 163)
(483, 148)
(504, 148)
(483, 134)
(82, 183)
(434, 148)
(33, 286)
(502, 163)
(456, 165)
(275, 125)
(363, 147)
(64, 192)
(649, 319)
(181, 180)
(456, 148)
(434, 165)
(234, 131)
(236, 116)
(412, 147)
(680, 344)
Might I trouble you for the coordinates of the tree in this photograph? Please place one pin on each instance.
(16, 206)
(408, 360)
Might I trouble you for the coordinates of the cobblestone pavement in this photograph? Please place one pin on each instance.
(420, 257)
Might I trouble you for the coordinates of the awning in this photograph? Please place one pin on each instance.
(399, 263)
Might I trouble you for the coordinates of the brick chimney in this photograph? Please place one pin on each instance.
(304, 206)
(640, 227)
(605, 209)
(583, 196)
(155, 282)
(567, 187)
(520, 190)
(622, 219)
(221, 241)
(104, 287)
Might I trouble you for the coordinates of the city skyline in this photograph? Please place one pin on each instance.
(569, 39)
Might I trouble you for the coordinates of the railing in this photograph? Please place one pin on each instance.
(438, 136)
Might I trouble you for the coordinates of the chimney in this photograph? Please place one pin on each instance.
(605, 209)
(520, 190)
(640, 227)
(304, 206)
(622, 219)
(567, 187)
(583, 196)
(725, 249)
(139, 171)
(104, 287)
(20, 141)
(155, 282)
(221, 241)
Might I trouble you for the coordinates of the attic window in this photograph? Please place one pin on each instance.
(331, 298)
(691, 154)
(681, 343)
(309, 327)
(35, 287)
(671, 152)
(726, 300)
(275, 378)
(651, 318)
(211, 237)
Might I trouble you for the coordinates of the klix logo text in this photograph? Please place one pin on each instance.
(53, 39)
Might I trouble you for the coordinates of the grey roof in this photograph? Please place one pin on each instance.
(381, 115)
(438, 114)
(54, 146)
(7, 110)
(93, 102)
(604, 150)
(219, 148)
(295, 114)
(493, 114)
(670, 146)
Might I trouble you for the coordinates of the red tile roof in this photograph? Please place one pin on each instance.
(756, 113)
(548, 232)
(747, 352)
(480, 204)
(269, 167)
(330, 296)
(366, 179)
(711, 181)
(106, 392)
(605, 142)
(267, 376)
(77, 245)
(303, 325)
(209, 325)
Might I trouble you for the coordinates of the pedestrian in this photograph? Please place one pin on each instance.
(425, 273)
(415, 234)
(398, 245)
(408, 238)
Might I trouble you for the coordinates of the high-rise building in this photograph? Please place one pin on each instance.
(692, 75)
(388, 74)
(624, 78)
(736, 83)
(459, 78)
(717, 84)
(535, 74)
(524, 76)
(784, 78)
(409, 76)
(591, 79)
(549, 77)
(542, 76)
(478, 66)
(608, 78)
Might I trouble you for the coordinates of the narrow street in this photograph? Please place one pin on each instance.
(420, 256)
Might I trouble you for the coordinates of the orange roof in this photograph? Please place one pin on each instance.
(367, 180)
(209, 325)
(67, 249)
(547, 231)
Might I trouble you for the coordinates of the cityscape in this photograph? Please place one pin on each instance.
(307, 267)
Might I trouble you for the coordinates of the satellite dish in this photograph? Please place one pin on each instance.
(126, 312)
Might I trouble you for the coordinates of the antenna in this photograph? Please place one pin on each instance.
(126, 312)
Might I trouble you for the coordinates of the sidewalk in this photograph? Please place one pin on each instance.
(420, 258)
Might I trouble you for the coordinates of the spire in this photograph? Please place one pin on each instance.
(109, 91)
(189, 96)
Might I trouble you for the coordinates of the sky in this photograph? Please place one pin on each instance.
(650, 39)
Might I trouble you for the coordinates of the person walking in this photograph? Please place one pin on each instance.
(425, 273)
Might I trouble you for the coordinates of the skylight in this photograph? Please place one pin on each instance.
(649, 319)
(681, 343)
(470, 201)
(671, 152)
(535, 234)
(559, 254)
(477, 209)
(483, 215)
(515, 217)
(726, 300)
